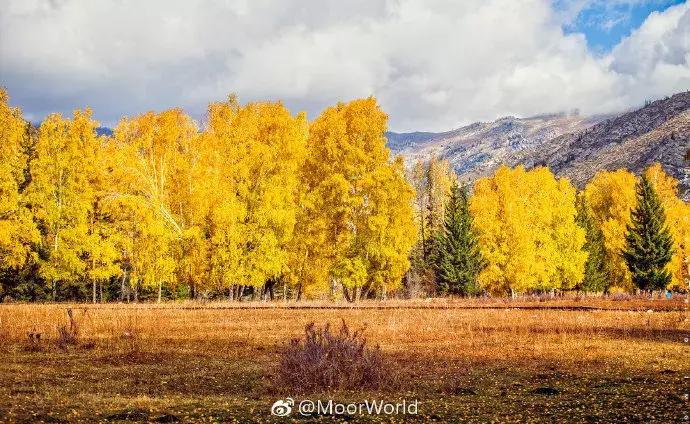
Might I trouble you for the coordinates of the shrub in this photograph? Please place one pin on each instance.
(68, 335)
(326, 359)
(33, 342)
(619, 294)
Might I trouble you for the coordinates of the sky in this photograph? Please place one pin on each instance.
(605, 23)
(433, 65)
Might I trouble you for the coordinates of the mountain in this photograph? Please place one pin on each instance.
(478, 149)
(658, 132)
(570, 145)
(104, 131)
(99, 130)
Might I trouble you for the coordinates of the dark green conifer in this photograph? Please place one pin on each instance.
(596, 276)
(457, 258)
(649, 245)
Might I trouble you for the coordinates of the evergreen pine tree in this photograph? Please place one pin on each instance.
(457, 258)
(649, 245)
(596, 277)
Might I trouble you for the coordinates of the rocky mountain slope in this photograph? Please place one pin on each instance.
(658, 132)
(478, 149)
(571, 145)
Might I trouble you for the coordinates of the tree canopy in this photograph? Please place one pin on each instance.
(257, 199)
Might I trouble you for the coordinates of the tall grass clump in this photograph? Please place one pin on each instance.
(4, 333)
(132, 339)
(68, 335)
(324, 359)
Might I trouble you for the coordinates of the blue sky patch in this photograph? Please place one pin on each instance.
(606, 23)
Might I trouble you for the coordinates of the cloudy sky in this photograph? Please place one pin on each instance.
(432, 64)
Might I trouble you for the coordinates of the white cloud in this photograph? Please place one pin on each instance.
(433, 64)
(655, 59)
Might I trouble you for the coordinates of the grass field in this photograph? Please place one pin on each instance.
(463, 360)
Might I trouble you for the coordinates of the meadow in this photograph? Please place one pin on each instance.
(479, 361)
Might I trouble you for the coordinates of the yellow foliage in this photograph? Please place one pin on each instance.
(100, 243)
(261, 196)
(611, 196)
(17, 231)
(432, 181)
(359, 202)
(61, 194)
(255, 154)
(154, 181)
(528, 234)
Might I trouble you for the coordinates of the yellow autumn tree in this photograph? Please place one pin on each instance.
(390, 230)
(360, 200)
(678, 220)
(439, 180)
(153, 181)
(101, 238)
(611, 197)
(432, 181)
(61, 195)
(528, 233)
(225, 229)
(309, 262)
(256, 153)
(17, 232)
(143, 242)
(189, 199)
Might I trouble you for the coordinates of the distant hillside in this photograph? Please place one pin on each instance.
(478, 149)
(99, 130)
(572, 146)
(658, 132)
(104, 131)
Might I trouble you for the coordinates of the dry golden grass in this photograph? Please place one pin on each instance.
(216, 363)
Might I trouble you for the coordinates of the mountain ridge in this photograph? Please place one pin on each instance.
(569, 144)
(657, 132)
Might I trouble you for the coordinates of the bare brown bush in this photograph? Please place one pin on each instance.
(620, 297)
(33, 343)
(68, 335)
(324, 359)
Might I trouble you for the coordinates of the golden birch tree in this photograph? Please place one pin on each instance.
(17, 232)
(611, 197)
(528, 233)
(61, 195)
(153, 176)
(258, 150)
(361, 199)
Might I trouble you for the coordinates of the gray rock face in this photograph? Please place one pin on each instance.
(658, 132)
(572, 146)
(478, 149)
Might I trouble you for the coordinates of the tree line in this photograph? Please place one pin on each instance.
(523, 231)
(260, 203)
(256, 200)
